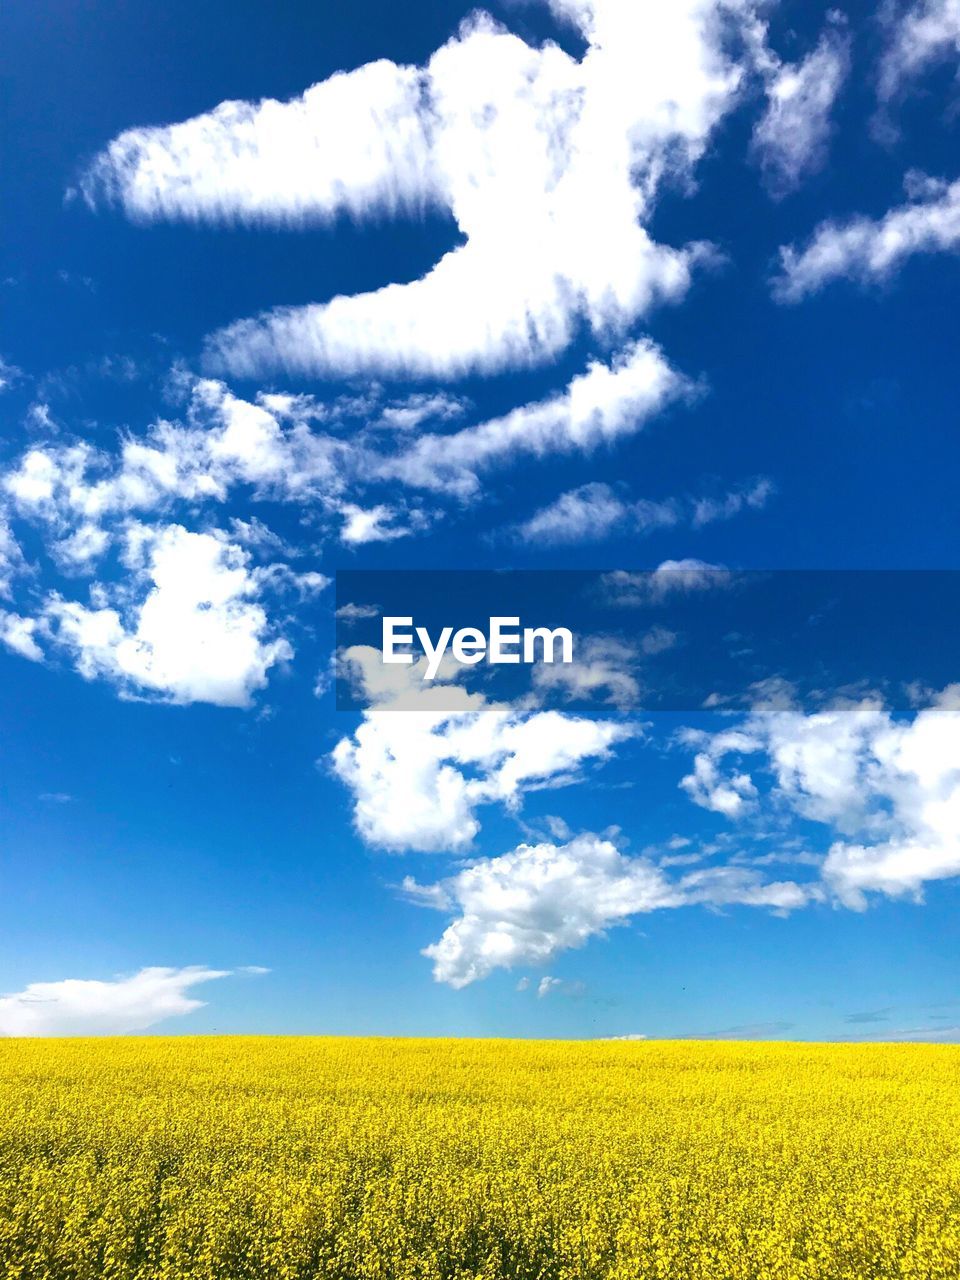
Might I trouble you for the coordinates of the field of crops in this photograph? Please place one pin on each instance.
(230, 1158)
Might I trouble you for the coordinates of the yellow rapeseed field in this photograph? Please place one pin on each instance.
(364, 1159)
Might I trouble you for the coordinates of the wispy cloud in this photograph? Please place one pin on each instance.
(866, 249)
(10, 375)
(86, 1007)
(671, 578)
(790, 140)
(549, 986)
(918, 35)
(595, 511)
(591, 513)
(868, 1015)
(605, 403)
(19, 635)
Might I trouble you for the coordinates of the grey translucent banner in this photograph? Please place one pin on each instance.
(680, 638)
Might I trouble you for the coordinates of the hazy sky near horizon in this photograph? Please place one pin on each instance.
(545, 284)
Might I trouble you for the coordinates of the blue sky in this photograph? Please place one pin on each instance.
(576, 284)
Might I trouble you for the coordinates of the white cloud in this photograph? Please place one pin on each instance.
(371, 524)
(12, 563)
(594, 511)
(81, 549)
(84, 497)
(197, 635)
(257, 536)
(581, 515)
(558, 827)
(227, 448)
(281, 578)
(81, 1007)
(10, 375)
(889, 788)
(603, 665)
(529, 905)
(548, 984)
(866, 249)
(414, 410)
(670, 578)
(752, 497)
(599, 406)
(350, 613)
(657, 640)
(224, 443)
(19, 634)
(729, 794)
(39, 418)
(419, 770)
(550, 167)
(920, 35)
(790, 141)
(356, 144)
(590, 513)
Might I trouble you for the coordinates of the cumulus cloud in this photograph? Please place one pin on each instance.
(197, 635)
(87, 1007)
(527, 906)
(89, 502)
(867, 249)
(186, 640)
(549, 165)
(889, 788)
(80, 550)
(223, 443)
(419, 770)
(790, 140)
(93, 505)
(728, 794)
